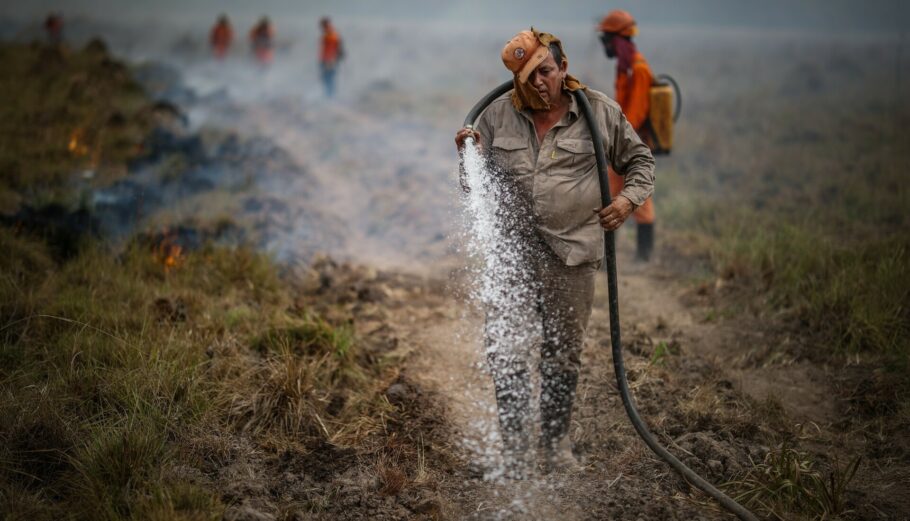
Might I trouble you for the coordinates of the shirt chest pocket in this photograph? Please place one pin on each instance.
(512, 154)
(571, 156)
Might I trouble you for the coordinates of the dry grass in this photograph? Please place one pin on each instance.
(792, 208)
(715, 405)
(798, 207)
(851, 292)
(101, 391)
(789, 481)
(308, 385)
(128, 385)
(65, 111)
(392, 476)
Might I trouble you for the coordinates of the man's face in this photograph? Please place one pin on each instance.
(607, 40)
(547, 79)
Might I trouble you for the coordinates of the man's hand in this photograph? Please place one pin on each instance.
(614, 215)
(464, 134)
(460, 138)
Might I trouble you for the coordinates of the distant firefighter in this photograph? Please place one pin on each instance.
(633, 93)
(221, 37)
(330, 54)
(262, 40)
(53, 26)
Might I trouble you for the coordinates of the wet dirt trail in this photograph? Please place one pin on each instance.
(620, 478)
(702, 383)
(696, 396)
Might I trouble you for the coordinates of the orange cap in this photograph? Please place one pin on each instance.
(523, 53)
(619, 22)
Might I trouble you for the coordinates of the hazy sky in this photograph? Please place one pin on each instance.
(826, 15)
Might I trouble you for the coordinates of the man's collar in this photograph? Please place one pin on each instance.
(573, 104)
(573, 107)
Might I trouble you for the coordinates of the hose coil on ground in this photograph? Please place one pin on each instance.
(613, 297)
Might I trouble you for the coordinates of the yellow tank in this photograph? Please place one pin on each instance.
(661, 117)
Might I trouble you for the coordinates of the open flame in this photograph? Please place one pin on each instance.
(168, 252)
(77, 145)
(172, 258)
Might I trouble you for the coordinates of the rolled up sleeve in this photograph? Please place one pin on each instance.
(630, 158)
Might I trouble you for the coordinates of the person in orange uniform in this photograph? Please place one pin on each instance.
(330, 54)
(221, 36)
(633, 84)
(262, 40)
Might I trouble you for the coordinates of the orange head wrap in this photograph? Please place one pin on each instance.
(524, 53)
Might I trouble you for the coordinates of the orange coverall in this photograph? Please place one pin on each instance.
(221, 39)
(634, 97)
(330, 45)
(262, 37)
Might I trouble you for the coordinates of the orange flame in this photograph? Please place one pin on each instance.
(168, 252)
(173, 257)
(77, 145)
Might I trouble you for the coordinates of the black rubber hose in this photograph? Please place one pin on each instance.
(484, 101)
(615, 340)
(619, 369)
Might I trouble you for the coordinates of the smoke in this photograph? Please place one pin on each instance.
(374, 164)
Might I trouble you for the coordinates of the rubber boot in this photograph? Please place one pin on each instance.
(557, 394)
(645, 242)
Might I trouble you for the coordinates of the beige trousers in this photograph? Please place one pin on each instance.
(560, 300)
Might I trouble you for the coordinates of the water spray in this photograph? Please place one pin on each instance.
(612, 286)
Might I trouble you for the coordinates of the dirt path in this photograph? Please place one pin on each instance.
(708, 387)
(655, 302)
(692, 400)
(718, 392)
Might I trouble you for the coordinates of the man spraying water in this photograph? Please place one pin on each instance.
(543, 182)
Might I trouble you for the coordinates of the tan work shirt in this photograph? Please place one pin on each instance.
(559, 175)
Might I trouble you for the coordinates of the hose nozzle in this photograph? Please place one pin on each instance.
(469, 140)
